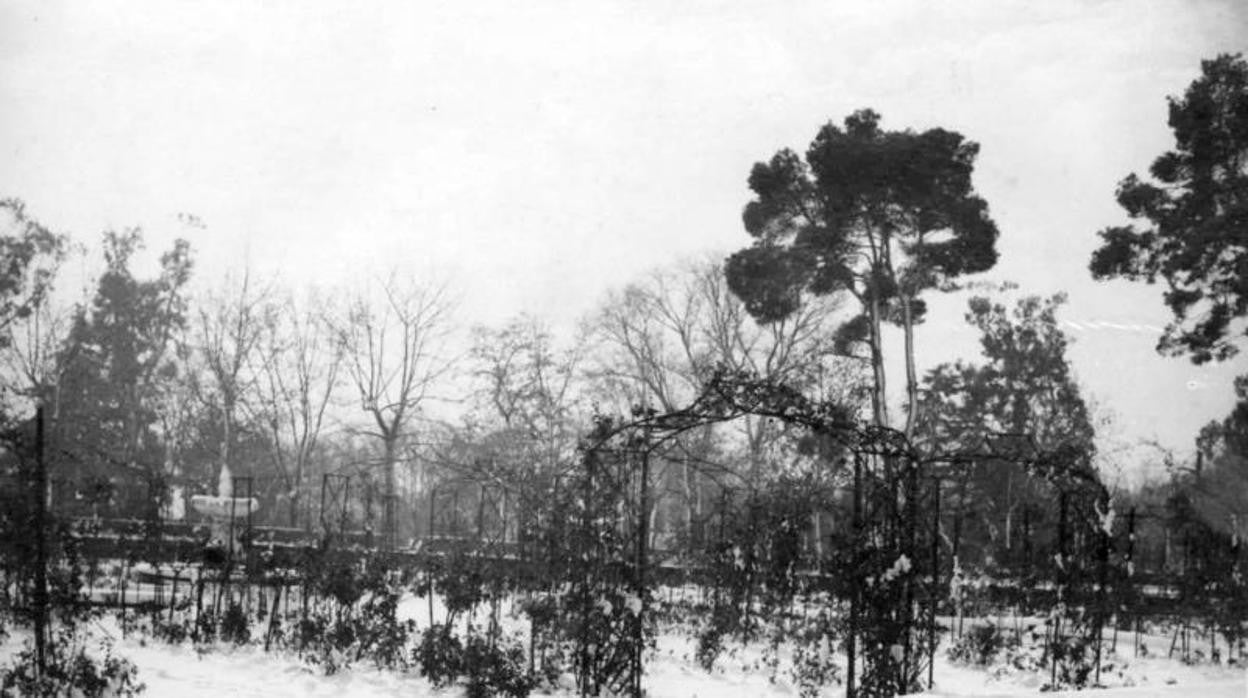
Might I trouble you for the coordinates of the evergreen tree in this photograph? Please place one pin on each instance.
(1193, 218)
(880, 215)
(117, 353)
(1024, 388)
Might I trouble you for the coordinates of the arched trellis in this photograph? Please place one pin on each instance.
(890, 630)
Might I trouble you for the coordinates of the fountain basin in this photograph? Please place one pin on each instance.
(219, 507)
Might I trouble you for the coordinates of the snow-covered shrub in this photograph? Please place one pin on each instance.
(323, 641)
(205, 626)
(174, 632)
(360, 621)
(234, 625)
(439, 655)
(551, 657)
(70, 670)
(1026, 656)
(814, 657)
(982, 645)
(173, 628)
(711, 638)
(381, 636)
(340, 581)
(1075, 657)
(496, 669)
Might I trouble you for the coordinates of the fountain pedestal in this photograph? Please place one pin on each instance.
(225, 512)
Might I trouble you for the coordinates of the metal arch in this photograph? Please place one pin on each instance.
(729, 395)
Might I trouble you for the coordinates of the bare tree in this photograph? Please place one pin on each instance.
(226, 335)
(524, 429)
(395, 346)
(299, 362)
(528, 384)
(659, 340)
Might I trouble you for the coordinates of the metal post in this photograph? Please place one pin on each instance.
(342, 506)
(481, 497)
(643, 544)
(935, 592)
(1102, 596)
(851, 645)
(433, 498)
(911, 552)
(456, 523)
(41, 553)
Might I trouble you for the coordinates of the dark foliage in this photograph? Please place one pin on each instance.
(70, 668)
(1193, 217)
(439, 655)
(982, 645)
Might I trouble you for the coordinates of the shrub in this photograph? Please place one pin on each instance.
(323, 643)
(174, 632)
(1075, 656)
(981, 645)
(814, 657)
(70, 670)
(496, 669)
(710, 645)
(378, 632)
(725, 620)
(234, 625)
(439, 655)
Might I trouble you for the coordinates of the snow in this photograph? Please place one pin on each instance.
(1152, 677)
(222, 670)
(185, 672)
(1225, 689)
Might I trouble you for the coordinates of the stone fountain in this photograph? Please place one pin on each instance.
(226, 512)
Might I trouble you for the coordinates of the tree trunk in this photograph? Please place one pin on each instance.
(1009, 530)
(227, 432)
(817, 524)
(688, 487)
(912, 384)
(387, 520)
(879, 397)
(294, 507)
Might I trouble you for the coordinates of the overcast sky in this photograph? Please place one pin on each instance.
(540, 153)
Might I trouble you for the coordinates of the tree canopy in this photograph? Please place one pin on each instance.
(29, 253)
(1221, 489)
(117, 353)
(1193, 217)
(1024, 385)
(881, 215)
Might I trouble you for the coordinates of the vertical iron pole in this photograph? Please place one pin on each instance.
(912, 554)
(1062, 579)
(41, 552)
(342, 508)
(851, 645)
(935, 591)
(433, 498)
(1102, 596)
(643, 544)
(1130, 571)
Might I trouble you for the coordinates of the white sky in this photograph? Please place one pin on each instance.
(541, 153)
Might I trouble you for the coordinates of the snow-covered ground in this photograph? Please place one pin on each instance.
(221, 670)
(184, 672)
